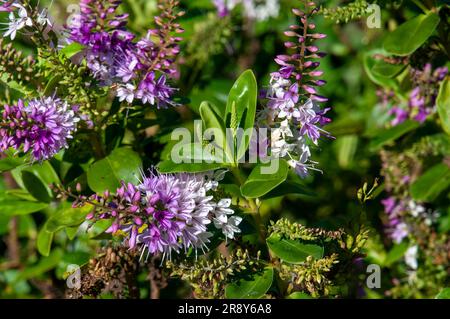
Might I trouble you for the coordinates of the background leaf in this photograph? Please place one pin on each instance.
(443, 105)
(396, 253)
(253, 288)
(44, 241)
(259, 184)
(106, 174)
(409, 36)
(293, 251)
(392, 134)
(433, 182)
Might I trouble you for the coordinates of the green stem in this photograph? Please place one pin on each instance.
(420, 5)
(254, 208)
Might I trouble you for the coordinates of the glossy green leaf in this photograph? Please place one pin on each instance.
(44, 171)
(289, 188)
(66, 216)
(36, 187)
(72, 49)
(293, 251)
(71, 232)
(213, 122)
(170, 167)
(443, 294)
(384, 69)
(21, 194)
(369, 62)
(432, 183)
(299, 295)
(409, 36)
(44, 241)
(13, 207)
(97, 230)
(253, 288)
(392, 134)
(198, 153)
(264, 178)
(443, 105)
(10, 162)
(123, 164)
(241, 110)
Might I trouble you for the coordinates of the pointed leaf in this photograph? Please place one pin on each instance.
(253, 288)
(409, 36)
(262, 179)
(293, 251)
(123, 164)
(443, 105)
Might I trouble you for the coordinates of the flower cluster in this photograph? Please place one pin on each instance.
(25, 18)
(139, 68)
(422, 99)
(399, 211)
(43, 126)
(165, 213)
(255, 10)
(293, 98)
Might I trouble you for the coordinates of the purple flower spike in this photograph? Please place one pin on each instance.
(138, 67)
(293, 98)
(167, 213)
(42, 127)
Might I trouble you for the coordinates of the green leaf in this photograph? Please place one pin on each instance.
(20, 194)
(36, 179)
(66, 216)
(52, 85)
(21, 88)
(253, 288)
(293, 251)
(15, 207)
(384, 69)
(433, 182)
(97, 230)
(408, 37)
(123, 164)
(289, 188)
(392, 134)
(44, 241)
(299, 295)
(72, 49)
(71, 232)
(241, 110)
(211, 120)
(396, 253)
(168, 166)
(198, 153)
(263, 178)
(443, 105)
(10, 162)
(35, 187)
(443, 294)
(369, 62)
(44, 171)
